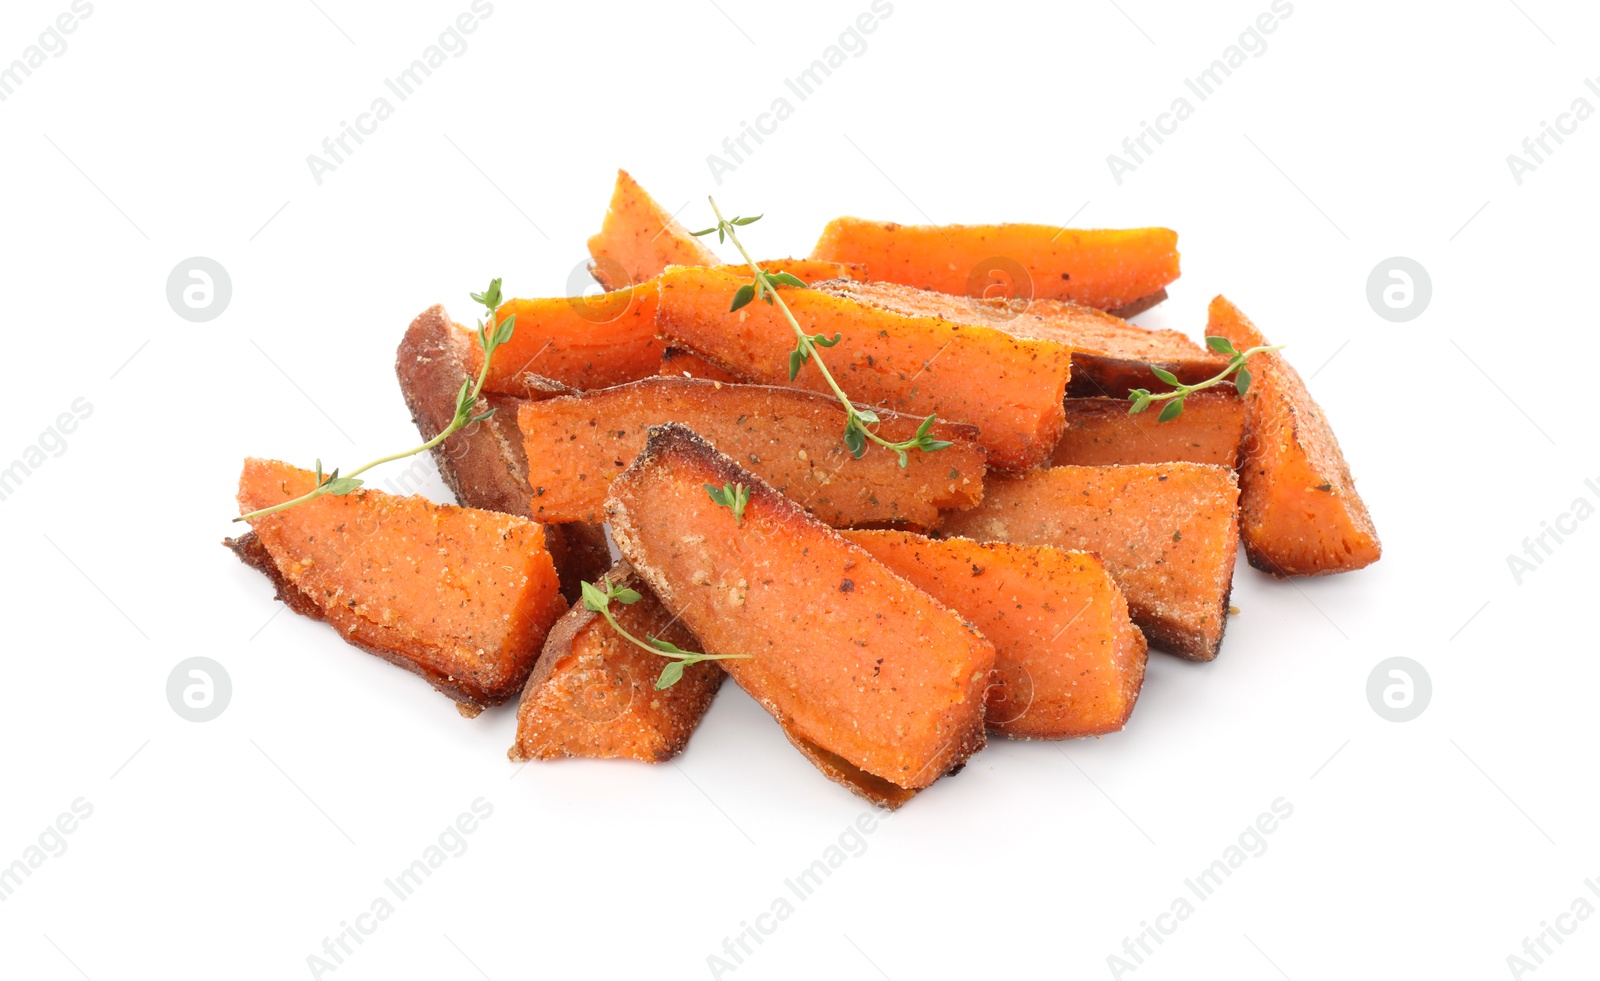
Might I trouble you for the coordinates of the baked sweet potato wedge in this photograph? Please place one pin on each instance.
(851, 659)
(1108, 269)
(595, 341)
(792, 438)
(1068, 661)
(593, 694)
(1100, 432)
(676, 362)
(483, 464)
(1300, 514)
(1168, 532)
(461, 596)
(1010, 389)
(639, 238)
(1109, 355)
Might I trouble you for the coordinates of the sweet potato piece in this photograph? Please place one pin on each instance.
(462, 597)
(483, 464)
(593, 694)
(847, 656)
(793, 439)
(584, 342)
(1100, 432)
(1167, 532)
(639, 238)
(1103, 268)
(1068, 661)
(1300, 514)
(1109, 355)
(1010, 389)
(677, 362)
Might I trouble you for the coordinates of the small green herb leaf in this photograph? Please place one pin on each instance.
(1221, 345)
(625, 596)
(1165, 375)
(787, 279)
(1173, 410)
(747, 221)
(746, 293)
(734, 497)
(670, 675)
(1241, 381)
(594, 599)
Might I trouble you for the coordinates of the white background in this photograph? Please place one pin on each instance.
(232, 848)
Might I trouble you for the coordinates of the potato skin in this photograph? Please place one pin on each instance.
(592, 693)
(484, 464)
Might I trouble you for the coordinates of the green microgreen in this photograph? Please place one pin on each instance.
(492, 335)
(1142, 397)
(734, 497)
(597, 598)
(764, 286)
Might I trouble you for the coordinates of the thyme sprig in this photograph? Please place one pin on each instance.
(734, 497)
(1142, 398)
(491, 335)
(597, 597)
(764, 286)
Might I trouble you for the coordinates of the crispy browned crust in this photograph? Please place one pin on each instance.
(254, 554)
(484, 464)
(1103, 376)
(673, 444)
(618, 714)
(1140, 305)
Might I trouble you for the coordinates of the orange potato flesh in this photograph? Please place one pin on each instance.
(847, 656)
(593, 693)
(595, 341)
(639, 239)
(1300, 514)
(1109, 355)
(1068, 661)
(1100, 432)
(1010, 389)
(679, 363)
(793, 439)
(1102, 268)
(455, 593)
(1167, 532)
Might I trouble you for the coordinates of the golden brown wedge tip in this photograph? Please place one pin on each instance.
(1068, 661)
(1109, 269)
(1100, 432)
(1011, 389)
(593, 693)
(851, 659)
(1299, 511)
(1167, 532)
(482, 464)
(1109, 355)
(460, 596)
(791, 438)
(639, 238)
